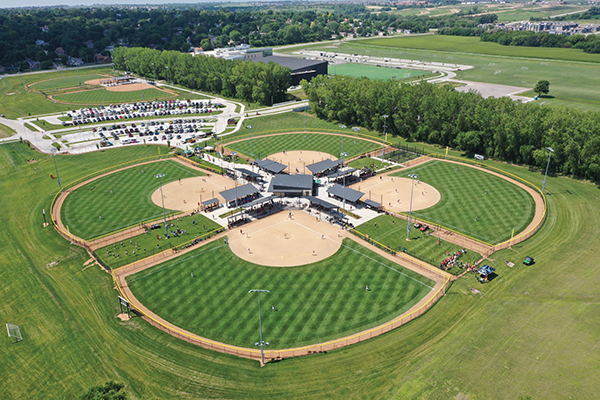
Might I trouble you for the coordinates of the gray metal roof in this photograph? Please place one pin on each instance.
(291, 183)
(210, 202)
(372, 203)
(249, 173)
(259, 201)
(325, 204)
(239, 192)
(323, 166)
(271, 166)
(345, 192)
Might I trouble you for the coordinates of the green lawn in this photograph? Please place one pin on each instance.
(103, 96)
(314, 303)
(572, 82)
(6, 131)
(368, 162)
(504, 208)
(531, 329)
(63, 83)
(123, 199)
(330, 144)
(373, 72)
(391, 231)
(125, 252)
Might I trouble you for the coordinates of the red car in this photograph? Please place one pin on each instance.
(424, 228)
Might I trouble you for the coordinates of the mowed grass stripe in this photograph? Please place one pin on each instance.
(315, 302)
(505, 206)
(129, 203)
(329, 144)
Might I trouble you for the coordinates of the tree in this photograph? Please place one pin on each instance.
(110, 391)
(542, 87)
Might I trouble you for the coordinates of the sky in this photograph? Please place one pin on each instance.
(45, 3)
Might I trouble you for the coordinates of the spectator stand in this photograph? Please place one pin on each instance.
(324, 210)
(238, 219)
(323, 168)
(342, 193)
(240, 195)
(262, 207)
(270, 166)
(250, 176)
(344, 177)
(373, 205)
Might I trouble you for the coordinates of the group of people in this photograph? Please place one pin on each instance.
(452, 260)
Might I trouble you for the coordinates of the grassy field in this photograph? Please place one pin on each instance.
(314, 303)
(103, 96)
(6, 131)
(373, 72)
(505, 207)
(63, 83)
(141, 246)
(530, 329)
(391, 232)
(123, 199)
(368, 162)
(264, 146)
(573, 75)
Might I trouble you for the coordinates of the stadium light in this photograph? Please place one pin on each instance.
(384, 126)
(251, 148)
(262, 343)
(344, 177)
(162, 197)
(551, 150)
(412, 188)
(54, 151)
(167, 67)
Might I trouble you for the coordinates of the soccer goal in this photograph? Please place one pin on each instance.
(14, 332)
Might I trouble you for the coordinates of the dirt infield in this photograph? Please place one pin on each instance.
(284, 241)
(97, 81)
(130, 87)
(298, 160)
(188, 193)
(394, 193)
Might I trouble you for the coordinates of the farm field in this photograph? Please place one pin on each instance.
(264, 146)
(122, 199)
(466, 208)
(529, 329)
(314, 303)
(573, 75)
(391, 232)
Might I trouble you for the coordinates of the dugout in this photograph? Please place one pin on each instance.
(262, 207)
(250, 176)
(210, 205)
(373, 205)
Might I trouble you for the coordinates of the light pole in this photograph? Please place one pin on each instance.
(412, 188)
(383, 144)
(54, 151)
(344, 177)
(262, 343)
(167, 67)
(547, 165)
(154, 70)
(251, 149)
(162, 197)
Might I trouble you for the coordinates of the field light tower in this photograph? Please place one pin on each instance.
(551, 150)
(162, 197)
(251, 148)
(344, 177)
(384, 126)
(54, 151)
(262, 343)
(412, 188)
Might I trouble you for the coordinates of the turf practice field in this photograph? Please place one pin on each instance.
(121, 198)
(505, 206)
(313, 303)
(330, 144)
(374, 72)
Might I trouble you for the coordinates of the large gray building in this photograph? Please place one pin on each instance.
(301, 68)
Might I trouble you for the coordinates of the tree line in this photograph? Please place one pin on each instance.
(258, 82)
(494, 127)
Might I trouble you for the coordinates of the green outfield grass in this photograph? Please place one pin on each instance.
(124, 252)
(573, 75)
(368, 162)
(314, 303)
(103, 96)
(129, 203)
(504, 208)
(329, 144)
(63, 83)
(373, 72)
(530, 329)
(391, 231)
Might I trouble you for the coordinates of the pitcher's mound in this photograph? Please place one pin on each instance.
(281, 241)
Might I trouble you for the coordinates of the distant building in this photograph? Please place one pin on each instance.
(301, 68)
(74, 61)
(59, 51)
(242, 52)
